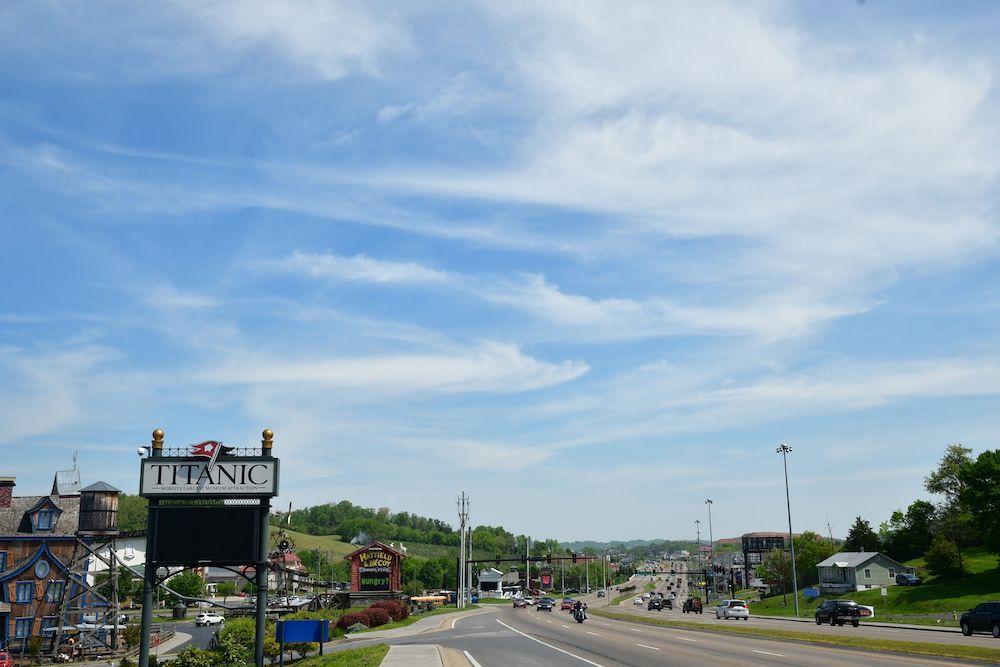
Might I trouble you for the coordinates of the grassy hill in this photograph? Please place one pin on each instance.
(331, 544)
(933, 600)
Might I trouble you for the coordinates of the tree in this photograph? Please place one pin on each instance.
(954, 519)
(775, 570)
(942, 557)
(980, 493)
(810, 550)
(861, 537)
(225, 589)
(187, 584)
(909, 535)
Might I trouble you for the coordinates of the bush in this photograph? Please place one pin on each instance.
(357, 627)
(397, 610)
(377, 616)
(347, 620)
(942, 558)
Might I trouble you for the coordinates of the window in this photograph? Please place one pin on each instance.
(25, 592)
(3, 561)
(45, 520)
(22, 627)
(892, 573)
(868, 573)
(54, 591)
(49, 622)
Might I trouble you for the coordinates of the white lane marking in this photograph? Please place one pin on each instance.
(607, 625)
(686, 639)
(635, 630)
(593, 633)
(649, 647)
(779, 655)
(548, 621)
(556, 648)
(471, 659)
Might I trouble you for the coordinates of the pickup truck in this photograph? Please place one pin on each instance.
(838, 612)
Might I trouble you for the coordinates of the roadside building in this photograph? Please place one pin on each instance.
(857, 570)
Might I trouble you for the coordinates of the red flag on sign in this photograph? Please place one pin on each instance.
(206, 449)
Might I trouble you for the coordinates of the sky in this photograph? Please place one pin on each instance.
(588, 262)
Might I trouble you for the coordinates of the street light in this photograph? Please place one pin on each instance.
(783, 450)
(711, 542)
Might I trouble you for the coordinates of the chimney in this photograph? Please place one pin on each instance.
(6, 491)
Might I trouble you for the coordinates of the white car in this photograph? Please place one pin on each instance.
(209, 618)
(637, 601)
(733, 609)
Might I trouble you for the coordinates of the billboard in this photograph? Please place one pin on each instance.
(216, 535)
(374, 567)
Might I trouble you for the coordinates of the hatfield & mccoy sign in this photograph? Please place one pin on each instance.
(208, 469)
(376, 567)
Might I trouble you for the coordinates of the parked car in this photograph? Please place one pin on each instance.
(692, 605)
(655, 604)
(520, 603)
(545, 604)
(637, 602)
(737, 609)
(208, 618)
(984, 617)
(567, 603)
(838, 612)
(5, 659)
(907, 579)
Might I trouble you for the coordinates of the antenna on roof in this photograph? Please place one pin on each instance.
(288, 520)
(829, 528)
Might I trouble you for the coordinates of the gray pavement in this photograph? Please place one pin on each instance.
(413, 655)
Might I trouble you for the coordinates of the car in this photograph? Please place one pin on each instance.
(637, 602)
(520, 603)
(530, 600)
(984, 617)
(838, 612)
(668, 604)
(908, 579)
(567, 603)
(737, 609)
(654, 604)
(692, 605)
(600, 594)
(5, 659)
(208, 618)
(545, 604)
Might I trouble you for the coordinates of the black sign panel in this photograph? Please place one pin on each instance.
(219, 535)
(760, 544)
(373, 569)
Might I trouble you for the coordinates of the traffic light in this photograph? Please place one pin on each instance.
(548, 558)
(498, 560)
(574, 557)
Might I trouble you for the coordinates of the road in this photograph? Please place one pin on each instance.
(526, 638)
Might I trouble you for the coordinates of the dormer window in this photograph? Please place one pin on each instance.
(45, 520)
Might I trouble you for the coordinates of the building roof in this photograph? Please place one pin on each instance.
(852, 559)
(12, 518)
(66, 483)
(376, 543)
(101, 487)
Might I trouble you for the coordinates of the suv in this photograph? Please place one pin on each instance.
(907, 579)
(838, 612)
(208, 618)
(984, 617)
(732, 609)
(654, 604)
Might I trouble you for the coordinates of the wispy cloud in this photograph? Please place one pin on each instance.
(358, 268)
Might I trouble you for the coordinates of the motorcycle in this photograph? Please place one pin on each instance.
(580, 614)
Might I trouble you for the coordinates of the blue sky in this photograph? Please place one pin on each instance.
(515, 249)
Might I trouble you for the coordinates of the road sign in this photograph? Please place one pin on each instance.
(810, 592)
(885, 592)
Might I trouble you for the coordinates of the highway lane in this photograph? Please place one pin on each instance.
(525, 638)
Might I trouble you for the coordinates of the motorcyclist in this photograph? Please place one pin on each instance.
(580, 607)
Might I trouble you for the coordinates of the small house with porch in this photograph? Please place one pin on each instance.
(857, 570)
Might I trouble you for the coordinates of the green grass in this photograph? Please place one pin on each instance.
(934, 597)
(370, 656)
(989, 655)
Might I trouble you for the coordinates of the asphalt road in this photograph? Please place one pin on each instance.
(526, 638)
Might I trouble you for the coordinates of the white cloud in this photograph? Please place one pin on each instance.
(360, 268)
(490, 367)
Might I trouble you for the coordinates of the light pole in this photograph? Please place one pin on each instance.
(783, 450)
(711, 542)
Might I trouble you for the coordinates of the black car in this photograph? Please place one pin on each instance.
(545, 604)
(838, 612)
(654, 604)
(984, 617)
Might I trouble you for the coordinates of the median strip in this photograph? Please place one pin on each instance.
(896, 646)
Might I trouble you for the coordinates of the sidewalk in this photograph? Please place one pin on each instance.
(872, 624)
(416, 655)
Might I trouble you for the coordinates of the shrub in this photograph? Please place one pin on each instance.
(377, 617)
(397, 610)
(347, 620)
(357, 627)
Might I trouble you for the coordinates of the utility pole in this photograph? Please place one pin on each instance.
(711, 543)
(463, 519)
(784, 449)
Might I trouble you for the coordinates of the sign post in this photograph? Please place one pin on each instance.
(195, 527)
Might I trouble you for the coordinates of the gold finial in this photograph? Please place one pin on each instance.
(158, 441)
(266, 442)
